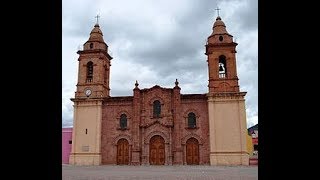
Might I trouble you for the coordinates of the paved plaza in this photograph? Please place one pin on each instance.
(109, 172)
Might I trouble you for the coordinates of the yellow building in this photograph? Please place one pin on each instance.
(249, 145)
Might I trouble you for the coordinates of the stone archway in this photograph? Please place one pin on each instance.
(157, 151)
(123, 152)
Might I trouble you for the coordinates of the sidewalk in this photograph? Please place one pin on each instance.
(109, 172)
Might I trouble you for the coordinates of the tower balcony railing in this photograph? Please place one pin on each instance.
(89, 80)
(222, 75)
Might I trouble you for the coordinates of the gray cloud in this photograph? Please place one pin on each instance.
(157, 43)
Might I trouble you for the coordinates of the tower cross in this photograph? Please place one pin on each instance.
(97, 16)
(218, 9)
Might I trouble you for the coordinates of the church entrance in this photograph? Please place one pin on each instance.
(123, 152)
(192, 151)
(157, 151)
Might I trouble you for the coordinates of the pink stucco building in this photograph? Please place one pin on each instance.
(66, 144)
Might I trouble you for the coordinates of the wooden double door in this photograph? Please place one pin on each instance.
(192, 148)
(123, 152)
(157, 151)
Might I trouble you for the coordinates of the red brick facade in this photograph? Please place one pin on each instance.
(158, 125)
(171, 125)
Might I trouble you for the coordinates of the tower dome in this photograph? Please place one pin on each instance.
(95, 40)
(219, 33)
(96, 34)
(219, 27)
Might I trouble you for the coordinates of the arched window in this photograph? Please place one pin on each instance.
(222, 66)
(123, 121)
(220, 38)
(91, 45)
(156, 108)
(89, 71)
(191, 120)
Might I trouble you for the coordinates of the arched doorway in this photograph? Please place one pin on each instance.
(122, 152)
(192, 147)
(157, 151)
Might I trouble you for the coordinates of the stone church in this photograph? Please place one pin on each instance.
(157, 125)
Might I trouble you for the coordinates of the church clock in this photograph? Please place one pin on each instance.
(88, 92)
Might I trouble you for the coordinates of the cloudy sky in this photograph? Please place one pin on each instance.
(155, 42)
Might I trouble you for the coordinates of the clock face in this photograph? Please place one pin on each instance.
(88, 92)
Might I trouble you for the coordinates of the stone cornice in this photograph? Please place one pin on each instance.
(119, 99)
(209, 47)
(193, 96)
(86, 99)
(93, 84)
(223, 79)
(226, 95)
(95, 51)
(222, 44)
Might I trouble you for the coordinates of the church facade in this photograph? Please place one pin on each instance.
(157, 125)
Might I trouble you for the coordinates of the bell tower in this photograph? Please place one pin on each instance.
(92, 88)
(94, 67)
(221, 51)
(226, 104)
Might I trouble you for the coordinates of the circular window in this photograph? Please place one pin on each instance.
(220, 38)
